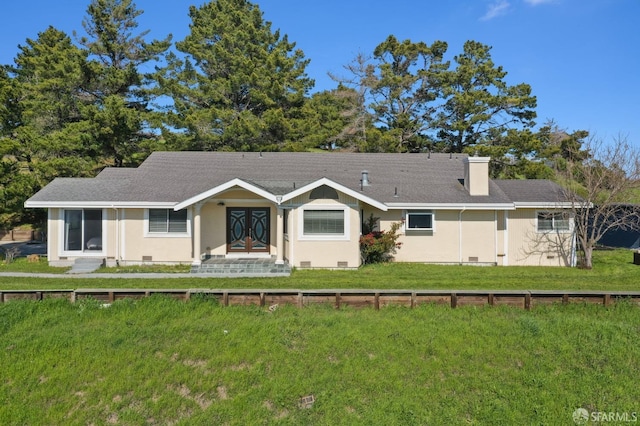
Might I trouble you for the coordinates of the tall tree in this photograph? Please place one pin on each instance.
(400, 86)
(45, 131)
(119, 113)
(479, 105)
(237, 85)
(599, 185)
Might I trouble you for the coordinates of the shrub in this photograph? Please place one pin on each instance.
(378, 246)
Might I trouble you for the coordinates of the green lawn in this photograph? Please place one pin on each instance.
(613, 270)
(159, 361)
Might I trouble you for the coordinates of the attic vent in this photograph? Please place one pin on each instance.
(365, 178)
(323, 192)
(305, 264)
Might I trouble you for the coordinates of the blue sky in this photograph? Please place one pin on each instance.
(581, 57)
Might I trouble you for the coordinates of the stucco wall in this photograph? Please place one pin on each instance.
(526, 246)
(324, 252)
(55, 238)
(137, 246)
(458, 237)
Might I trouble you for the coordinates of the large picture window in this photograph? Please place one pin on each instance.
(163, 221)
(82, 230)
(323, 222)
(553, 221)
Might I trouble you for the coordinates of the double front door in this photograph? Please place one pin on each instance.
(248, 229)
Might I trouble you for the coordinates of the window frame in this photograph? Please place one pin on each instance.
(410, 213)
(344, 236)
(553, 219)
(83, 251)
(167, 233)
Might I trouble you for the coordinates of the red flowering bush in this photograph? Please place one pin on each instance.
(378, 246)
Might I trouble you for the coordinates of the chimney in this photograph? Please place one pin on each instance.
(476, 175)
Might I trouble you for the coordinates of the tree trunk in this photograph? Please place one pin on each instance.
(588, 257)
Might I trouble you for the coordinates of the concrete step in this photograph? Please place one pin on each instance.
(86, 265)
(242, 269)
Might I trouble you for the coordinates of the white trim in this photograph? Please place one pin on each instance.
(148, 234)
(220, 188)
(324, 181)
(97, 204)
(553, 230)
(345, 236)
(405, 224)
(543, 205)
(451, 206)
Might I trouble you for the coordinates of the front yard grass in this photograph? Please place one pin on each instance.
(162, 361)
(613, 270)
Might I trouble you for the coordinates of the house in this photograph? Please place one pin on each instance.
(305, 210)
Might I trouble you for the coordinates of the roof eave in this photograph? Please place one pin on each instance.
(98, 204)
(452, 206)
(544, 204)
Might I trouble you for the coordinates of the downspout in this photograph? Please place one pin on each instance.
(495, 243)
(117, 255)
(460, 234)
(505, 260)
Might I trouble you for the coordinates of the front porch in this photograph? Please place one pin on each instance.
(242, 267)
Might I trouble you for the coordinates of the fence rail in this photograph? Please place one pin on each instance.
(376, 299)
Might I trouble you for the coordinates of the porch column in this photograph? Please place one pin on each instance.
(196, 234)
(280, 236)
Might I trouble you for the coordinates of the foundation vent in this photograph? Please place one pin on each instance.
(305, 264)
(343, 264)
(147, 258)
(473, 258)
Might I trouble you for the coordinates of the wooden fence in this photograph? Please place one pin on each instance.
(340, 297)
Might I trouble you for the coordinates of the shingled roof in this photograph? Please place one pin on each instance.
(170, 178)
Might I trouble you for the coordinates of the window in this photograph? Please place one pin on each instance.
(553, 221)
(327, 222)
(419, 221)
(167, 221)
(323, 192)
(285, 221)
(323, 222)
(82, 230)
